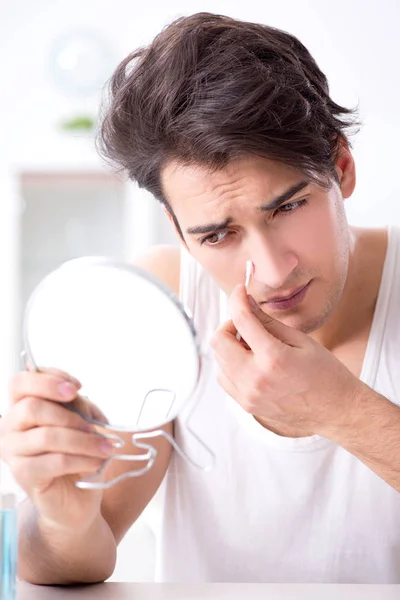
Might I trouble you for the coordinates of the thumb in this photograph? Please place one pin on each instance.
(284, 333)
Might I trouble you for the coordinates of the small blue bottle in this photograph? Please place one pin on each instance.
(8, 546)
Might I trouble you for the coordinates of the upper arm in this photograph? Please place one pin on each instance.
(123, 503)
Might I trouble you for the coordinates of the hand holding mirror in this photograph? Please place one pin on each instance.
(126, 337)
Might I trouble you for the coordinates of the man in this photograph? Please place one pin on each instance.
(231, 126)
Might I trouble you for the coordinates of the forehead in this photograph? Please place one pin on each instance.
(197, 188)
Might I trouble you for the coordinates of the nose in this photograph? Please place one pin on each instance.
(273, 261)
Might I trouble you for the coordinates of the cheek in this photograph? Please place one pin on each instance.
(322, 231)
(326, 241)
(227, 267)
(305, 235)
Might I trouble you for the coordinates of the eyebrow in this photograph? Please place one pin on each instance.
(285, 196)
(273, 205)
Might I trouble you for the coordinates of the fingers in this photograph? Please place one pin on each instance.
(230, 354)
(248, 325)
(42, 440)
(61, 374)
(57, 372)
(36, 412)
(284, 333)
(53, 385)
(46, 467)
(43, 385)
(261, 331)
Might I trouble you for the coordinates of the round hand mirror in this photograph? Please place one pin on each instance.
(121, 333)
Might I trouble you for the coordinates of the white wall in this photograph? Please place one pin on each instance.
(356, 43)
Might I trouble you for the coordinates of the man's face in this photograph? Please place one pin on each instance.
(226, 220)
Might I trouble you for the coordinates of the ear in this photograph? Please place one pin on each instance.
(346, 169)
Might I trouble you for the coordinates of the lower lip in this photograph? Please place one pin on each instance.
(290, 302)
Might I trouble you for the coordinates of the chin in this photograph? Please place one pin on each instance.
(323, 311)
(312, 324)
(306, 324)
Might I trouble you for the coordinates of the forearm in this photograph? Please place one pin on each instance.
(371, 432)
(48, 555)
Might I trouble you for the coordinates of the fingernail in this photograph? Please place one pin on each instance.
(66, 389)
(115, 444)
(75, 382)
(107, 448)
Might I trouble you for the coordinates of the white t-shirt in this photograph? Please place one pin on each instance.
(276, 509)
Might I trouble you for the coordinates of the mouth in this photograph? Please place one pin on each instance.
(287, 296)
(289, 300)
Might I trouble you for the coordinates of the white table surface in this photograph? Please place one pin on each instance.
(210, 591)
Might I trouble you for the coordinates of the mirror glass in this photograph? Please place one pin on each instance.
(121, 333)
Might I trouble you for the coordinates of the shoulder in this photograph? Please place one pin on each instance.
(163, 261)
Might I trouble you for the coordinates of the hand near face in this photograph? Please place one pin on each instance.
(280, 374)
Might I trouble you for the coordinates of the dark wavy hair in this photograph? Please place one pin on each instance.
(210, 89)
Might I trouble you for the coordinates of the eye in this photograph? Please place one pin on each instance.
(291, 206)
(214, 239)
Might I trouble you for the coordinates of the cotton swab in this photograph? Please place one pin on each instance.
(249, 272)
